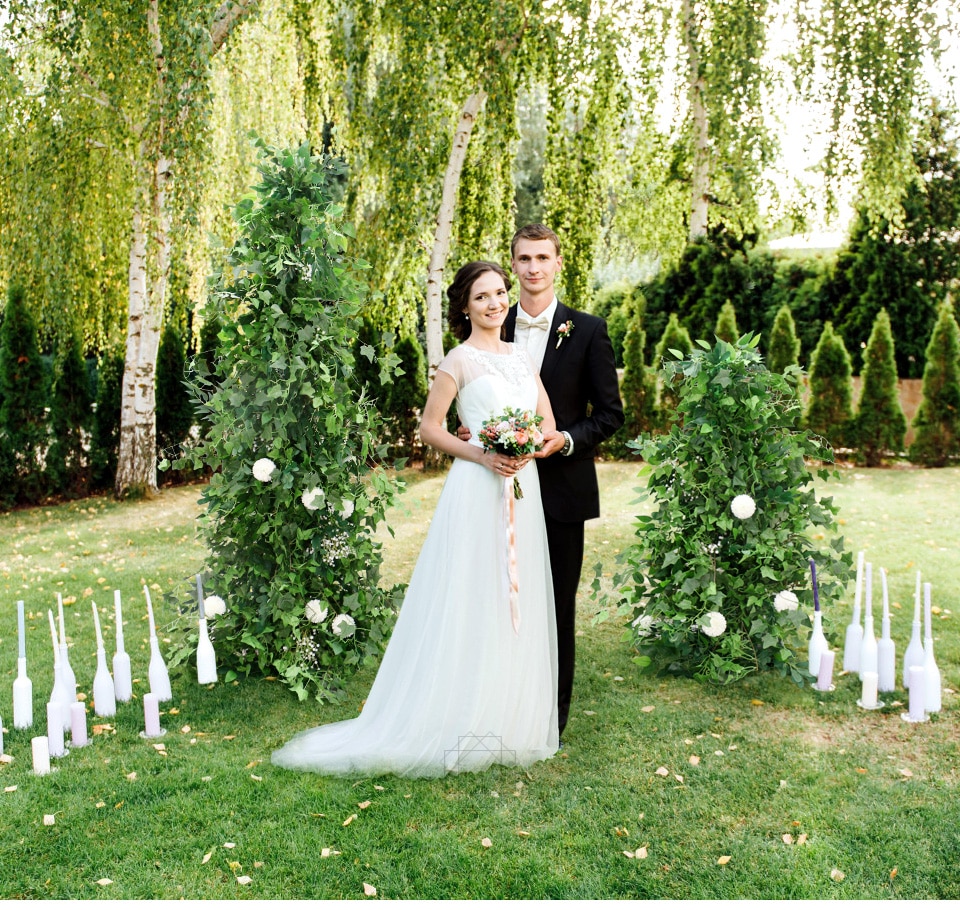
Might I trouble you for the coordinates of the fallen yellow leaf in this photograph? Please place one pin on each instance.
(679, 777)
(347, 821)
(802, 839)
(10, 789)
(906, 772)
(229, 845)
(255, 777)
(837, 875)
(378, 787)
(364, 805)
(104, 881)
(641, 853)
(244, 879)
(663, 772)
(755, 701)
(694, 760)
(787, 838)
(49, 820)
(234, 866)
(206, 858)
(724, 860)
(646, 709)
(523, 833)
(486, 842)
(132, 775)
(893, 873)
(621, 832)
(369, 890)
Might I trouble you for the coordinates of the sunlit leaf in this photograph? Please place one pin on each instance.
(369, 890)
(723, 860)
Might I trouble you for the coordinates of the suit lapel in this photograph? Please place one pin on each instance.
(553, 354)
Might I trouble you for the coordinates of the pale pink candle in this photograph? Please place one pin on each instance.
(825, 677)
(55, 729)
(78, 723)
(151, 714)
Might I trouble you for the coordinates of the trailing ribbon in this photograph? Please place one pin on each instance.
(512, 579)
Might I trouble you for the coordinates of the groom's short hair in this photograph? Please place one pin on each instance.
(534, 231)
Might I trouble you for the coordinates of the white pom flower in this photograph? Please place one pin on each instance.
(213, 605)
(713, 624)
(310, 497)
(263, 468)
(743, 506)
(643, 623)
(316, 611)
(343, 625)
(348, 508)
(786, 601)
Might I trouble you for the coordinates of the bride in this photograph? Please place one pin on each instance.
(464, 683)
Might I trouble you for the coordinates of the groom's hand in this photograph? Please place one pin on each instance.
(553, 442)
(464, 433)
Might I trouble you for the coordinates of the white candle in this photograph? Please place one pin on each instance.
(41, 755)
(868, 698)
(55, 729)
(151, 714)
(825, 678)
(917, 694)
(78, 723)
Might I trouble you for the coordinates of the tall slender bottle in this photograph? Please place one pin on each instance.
(22, 686)
(914, 656)
(886, 648)
(931, 673)
(868, 649)
(854, 637)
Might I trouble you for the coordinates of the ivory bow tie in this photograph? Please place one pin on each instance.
(532, 322)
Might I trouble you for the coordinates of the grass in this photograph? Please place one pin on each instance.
(871, 796)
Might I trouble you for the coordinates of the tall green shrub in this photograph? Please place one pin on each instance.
(404, 399)
(618, 304)
(734, 506)
(784, 347)
(295, 496)
(175, 411)
(726, 328)
(67, 460)
(638, 391)
(23, 404)
(674, 345)
(937, 421)
(105, 440)
(830, 409)
(880, 425)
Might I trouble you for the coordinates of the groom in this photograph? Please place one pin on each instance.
(575, 357)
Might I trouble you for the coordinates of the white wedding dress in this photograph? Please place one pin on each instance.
(458, 688)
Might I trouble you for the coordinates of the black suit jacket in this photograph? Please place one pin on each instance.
(580, 377)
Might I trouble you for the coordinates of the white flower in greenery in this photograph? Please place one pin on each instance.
(316, 611)
(743, 506)
(348, 508)
(713, 624)
(643, 624)
(213, 605)
(786, 601)
(343, 625)
(263, 468)
(310, 497)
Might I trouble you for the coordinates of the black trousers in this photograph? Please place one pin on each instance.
(565, 542)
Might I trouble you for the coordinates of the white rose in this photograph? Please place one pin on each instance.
(213, 605)
(316, 611)
(343, 625)
(743, 506)
(310, 497)
(263, 468)
(348, 508)
(713, 624)
(785, 601)
(643, 623)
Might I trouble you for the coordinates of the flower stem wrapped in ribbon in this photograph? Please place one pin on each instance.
(514, 432)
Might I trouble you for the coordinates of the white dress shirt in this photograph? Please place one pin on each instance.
(533, 339)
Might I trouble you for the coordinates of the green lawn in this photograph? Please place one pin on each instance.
(809, 796)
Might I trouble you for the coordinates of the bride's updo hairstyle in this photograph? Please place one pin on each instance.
(459, 294)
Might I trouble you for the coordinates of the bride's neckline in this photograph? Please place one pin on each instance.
(505, 353)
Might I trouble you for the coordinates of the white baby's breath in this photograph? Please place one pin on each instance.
(263, 468)
(743, 506)
(713, 624)
(343, 625)
(214, 605)
(316, 611)
(785, 601)
(310, 498)
(643, 623)
(348, 508)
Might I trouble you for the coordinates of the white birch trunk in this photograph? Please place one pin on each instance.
(696, 86)
(441, 242)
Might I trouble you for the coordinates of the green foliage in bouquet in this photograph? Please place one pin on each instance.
(735, 523)
(297, 490)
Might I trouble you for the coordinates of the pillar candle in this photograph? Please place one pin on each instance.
(78, 723)
(825, 678)
(151, 714)
(868, 698)
(917, 694)
(41, 755)
(55, 729)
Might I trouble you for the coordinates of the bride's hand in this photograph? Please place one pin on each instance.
(503, 465)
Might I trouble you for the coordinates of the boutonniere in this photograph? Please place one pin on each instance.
(564, 331)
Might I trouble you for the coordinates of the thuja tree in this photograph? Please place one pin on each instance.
(674, 345)
(784, 347)
(937, 423)
(726, 328)
(175, 415)
(734, 524)
(296, 495)
(830, 410)
(67, 460)
(880, 424)
(638, 390)
(23, 400)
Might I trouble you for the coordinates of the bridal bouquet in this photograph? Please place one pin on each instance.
(514, 432)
